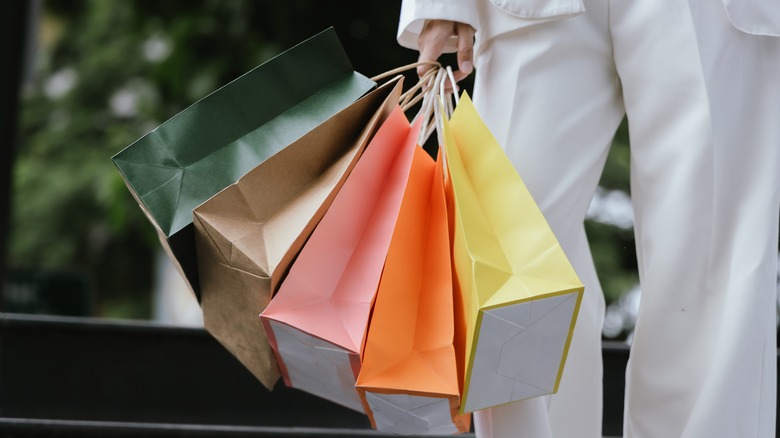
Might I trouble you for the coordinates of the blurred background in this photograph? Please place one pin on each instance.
(88, 77)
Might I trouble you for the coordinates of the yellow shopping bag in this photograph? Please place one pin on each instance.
(517, 292)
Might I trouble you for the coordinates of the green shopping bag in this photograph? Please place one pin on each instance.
(217, 140)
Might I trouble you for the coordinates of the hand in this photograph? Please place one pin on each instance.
(431, 42)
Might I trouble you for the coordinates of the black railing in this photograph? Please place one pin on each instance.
(74, 377)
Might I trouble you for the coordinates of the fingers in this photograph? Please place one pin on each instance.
(465, 35)
(432, 40)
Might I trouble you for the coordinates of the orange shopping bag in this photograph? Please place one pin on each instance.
(409, 378)
(317, 321)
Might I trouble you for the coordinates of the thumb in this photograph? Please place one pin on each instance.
(465, 50)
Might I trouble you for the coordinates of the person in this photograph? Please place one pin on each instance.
(699, 81)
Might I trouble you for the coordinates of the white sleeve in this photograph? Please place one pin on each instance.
(415, 12)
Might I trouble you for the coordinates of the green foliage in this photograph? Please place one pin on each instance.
(613, 248)
(614, 255)
(615, 176)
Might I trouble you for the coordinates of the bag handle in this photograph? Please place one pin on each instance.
(430, 90)
(404, 68)
(413, 95)
(435, 101)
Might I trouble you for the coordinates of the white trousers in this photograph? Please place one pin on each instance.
(703, 105)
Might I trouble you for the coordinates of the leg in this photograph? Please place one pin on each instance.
(550, 95)
(705, 166)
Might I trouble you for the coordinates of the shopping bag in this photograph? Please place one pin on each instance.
(317, 321)
(409, 378)
(518, 294)
(211, 144)
(248, 234)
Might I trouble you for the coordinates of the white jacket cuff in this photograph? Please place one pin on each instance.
(415, 12)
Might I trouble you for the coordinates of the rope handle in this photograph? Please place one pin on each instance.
(430, 90)
(404, 68)
(437, 104)
(413, 95)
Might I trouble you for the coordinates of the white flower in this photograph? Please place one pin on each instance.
(156, 48)
(60, 83)
(612, 207)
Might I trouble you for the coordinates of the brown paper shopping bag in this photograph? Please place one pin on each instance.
(248, 234)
